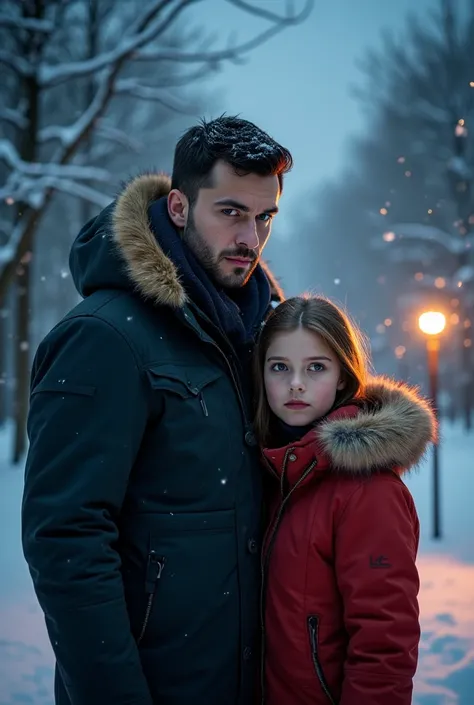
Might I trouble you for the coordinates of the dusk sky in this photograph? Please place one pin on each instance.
(298, 85)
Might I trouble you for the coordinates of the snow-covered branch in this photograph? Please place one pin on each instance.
(187, 78)
(232, 53)
(33, 191)
(459, 168)
(16, 63)
(5, 227)
(464, 274)
(70, 134)
(411, 253)
(14, 117)
(289, 18)
(72, 188)
(155, 9)
(30, 24)
(417, 231)
(35, 169)
(213, 58)
(133, 87)
(114, 134)
(149, 27)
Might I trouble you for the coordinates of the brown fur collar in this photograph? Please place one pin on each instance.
(392, 429)
(152, 272)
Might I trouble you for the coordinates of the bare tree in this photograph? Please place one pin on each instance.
(46, 158)
(425, 93)
(403, 214)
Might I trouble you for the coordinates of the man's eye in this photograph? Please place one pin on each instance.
(265, 217)
(232, 212)
(279, 367)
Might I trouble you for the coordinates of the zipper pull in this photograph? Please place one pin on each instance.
(312, 633)
(197, 393)
(203, 404)
(154, 570)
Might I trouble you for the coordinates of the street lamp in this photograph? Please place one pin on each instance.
(432, 324)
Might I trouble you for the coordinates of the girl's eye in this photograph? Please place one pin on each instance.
(316, 367)
(232, 212)
(279, 367)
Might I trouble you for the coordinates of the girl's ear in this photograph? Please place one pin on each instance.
(341, 384)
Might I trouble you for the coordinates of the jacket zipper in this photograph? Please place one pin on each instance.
(232, 374)
(154, 570)
(266, 557)
(313, 637)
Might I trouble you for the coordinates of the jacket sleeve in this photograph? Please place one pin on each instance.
(87, 415)
(376, 545)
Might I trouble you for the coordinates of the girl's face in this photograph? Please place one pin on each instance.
(302, 376)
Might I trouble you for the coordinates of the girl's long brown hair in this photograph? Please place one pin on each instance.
(319, 315)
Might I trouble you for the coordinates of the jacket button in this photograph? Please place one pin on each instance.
(247, 653)
(250, 439)
(292, 456)
(252, 546)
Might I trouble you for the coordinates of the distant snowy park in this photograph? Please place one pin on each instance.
(446, 668)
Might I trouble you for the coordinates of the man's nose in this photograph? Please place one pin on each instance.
(248, 236)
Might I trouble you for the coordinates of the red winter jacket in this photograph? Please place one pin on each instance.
(340, 586)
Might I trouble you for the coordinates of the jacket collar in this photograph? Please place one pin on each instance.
(151, 270)
(390, 428)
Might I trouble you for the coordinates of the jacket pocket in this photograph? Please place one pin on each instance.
(313, 631)
(154, 569)
(184, 382)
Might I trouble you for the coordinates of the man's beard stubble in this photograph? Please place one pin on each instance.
(201, 250)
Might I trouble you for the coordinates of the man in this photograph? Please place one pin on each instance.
(141, 509)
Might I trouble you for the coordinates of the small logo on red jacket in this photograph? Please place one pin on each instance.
(380, 562)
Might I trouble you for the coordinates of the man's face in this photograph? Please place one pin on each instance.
(230, 223)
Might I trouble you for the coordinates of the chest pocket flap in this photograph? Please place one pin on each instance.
(186, 380)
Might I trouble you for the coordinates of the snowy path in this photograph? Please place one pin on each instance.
(446, 670)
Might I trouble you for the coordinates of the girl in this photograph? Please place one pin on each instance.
(339, 596)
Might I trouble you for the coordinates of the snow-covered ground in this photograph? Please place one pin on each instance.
(446, 669)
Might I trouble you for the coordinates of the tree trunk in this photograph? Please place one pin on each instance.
(22, 357)
(32, 50)
(3, 365)
(86, 210)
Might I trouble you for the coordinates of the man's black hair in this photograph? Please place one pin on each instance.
(239, 143)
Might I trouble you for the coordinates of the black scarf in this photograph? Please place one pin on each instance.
(238, 313)
(287, 434)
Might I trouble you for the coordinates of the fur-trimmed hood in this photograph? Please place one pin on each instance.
(390, 428)
(118, 249)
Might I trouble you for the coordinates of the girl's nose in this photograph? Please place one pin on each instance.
(296, 386)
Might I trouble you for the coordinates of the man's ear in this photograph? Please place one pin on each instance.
(178, 208)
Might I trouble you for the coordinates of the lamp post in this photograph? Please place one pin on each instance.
(432, 324)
